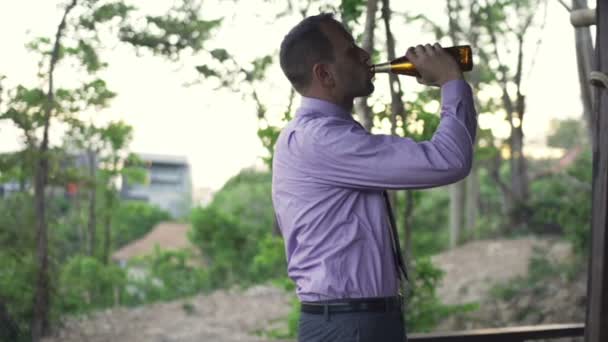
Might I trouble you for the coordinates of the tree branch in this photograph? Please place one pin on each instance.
(539, 41)
(565, 5)
(54, 59)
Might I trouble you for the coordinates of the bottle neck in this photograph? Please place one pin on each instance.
(382, 67)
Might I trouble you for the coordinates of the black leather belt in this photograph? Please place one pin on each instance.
(382, 304)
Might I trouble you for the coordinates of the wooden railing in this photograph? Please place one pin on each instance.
(513, 334)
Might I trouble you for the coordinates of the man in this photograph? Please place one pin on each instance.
(330, 178)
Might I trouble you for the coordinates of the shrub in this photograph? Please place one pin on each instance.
(164, 275)
(424, 309)
(86, 283)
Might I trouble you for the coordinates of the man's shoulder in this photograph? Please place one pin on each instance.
(315, 129)
(315, 124)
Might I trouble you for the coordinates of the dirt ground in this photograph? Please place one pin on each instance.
(472, 269)
(223, 316)
(233, 315)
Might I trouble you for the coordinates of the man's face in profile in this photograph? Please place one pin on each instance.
(351, 63)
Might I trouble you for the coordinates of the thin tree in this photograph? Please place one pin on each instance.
(362, 108)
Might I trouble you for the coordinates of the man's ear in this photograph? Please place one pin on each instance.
(323, 74)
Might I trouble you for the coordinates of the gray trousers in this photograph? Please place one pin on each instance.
(352, 327)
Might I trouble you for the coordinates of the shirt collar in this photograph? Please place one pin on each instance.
(314, 105)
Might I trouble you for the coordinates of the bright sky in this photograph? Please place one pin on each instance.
(216, 129)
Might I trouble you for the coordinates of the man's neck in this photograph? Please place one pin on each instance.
(347, 104)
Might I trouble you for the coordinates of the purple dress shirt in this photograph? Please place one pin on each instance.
(327, 182)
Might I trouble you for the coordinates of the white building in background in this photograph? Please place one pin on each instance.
(168, 184)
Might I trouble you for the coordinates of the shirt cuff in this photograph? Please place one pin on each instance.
(453, 91)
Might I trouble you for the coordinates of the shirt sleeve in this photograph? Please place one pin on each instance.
(343, 154)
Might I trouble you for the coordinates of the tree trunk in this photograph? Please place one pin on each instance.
(40, 323)
(457, 199)
(361, 107)
(9, 330)
(584, 58)
(92, 221)
(472, 188)
(107, 245)
(519, 169)
(79, 222)
(457, 190)
(109, 195)
(472, 198)
(40, 320)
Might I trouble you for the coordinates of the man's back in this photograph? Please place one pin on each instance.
(337, 240)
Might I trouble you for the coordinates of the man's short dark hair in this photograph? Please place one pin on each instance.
(302, 47)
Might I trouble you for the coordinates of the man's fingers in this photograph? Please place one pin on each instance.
(420, 51)
(411, 54)
(429, 49)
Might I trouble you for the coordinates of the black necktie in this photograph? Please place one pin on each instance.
(397, 255)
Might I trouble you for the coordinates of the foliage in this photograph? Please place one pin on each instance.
(269, 261)
(540, 270)
(227, 243)
(561, 204)
(567, 133)
(293, 322)
(17, 260)
(351, 11)
(87, 283)
(424, 309)
(16, 287)
(247, 198)
(429, 221)
(76, 43)
(133, 219)
(235, 232)
(165, 275)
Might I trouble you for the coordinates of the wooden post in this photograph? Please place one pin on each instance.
(597, 295)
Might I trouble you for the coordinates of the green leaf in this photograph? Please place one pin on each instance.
(181, 29)
(206, 71)
(220, 54)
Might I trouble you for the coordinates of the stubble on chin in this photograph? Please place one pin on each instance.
(368, 90)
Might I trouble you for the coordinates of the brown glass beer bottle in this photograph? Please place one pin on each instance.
(402, 65)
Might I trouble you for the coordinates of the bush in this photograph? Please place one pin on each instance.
(17, 260)
(430, 221)
(270, 261)
(562, 204)
(247, 198)
(424, 309)
(86, 283)
(17, 287)
(540, 270)
(229, 246)
(235, 232)
(165, 275)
